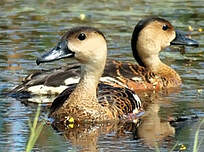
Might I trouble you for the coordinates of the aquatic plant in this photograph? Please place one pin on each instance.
(182, 147)
(35, 130)
(197, 142)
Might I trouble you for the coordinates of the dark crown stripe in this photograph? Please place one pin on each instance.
(80, 29)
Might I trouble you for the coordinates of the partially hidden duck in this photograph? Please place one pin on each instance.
(150, 36)
(86, 101)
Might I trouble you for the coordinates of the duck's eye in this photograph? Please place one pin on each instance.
(165, 27)
(82, 36)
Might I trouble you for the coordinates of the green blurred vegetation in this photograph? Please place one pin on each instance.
(35, 130)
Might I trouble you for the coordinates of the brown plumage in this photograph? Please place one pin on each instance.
(121, 102)
(87, 101)
(149, 37)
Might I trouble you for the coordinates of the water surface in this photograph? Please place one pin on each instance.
(29, 27)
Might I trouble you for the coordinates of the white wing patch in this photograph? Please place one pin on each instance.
(48, 90)
(42, 99)
(136, 78)
(71, 80)
(112, 80)
(45, 90)
(139, 104)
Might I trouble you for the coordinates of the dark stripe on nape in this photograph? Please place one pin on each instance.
(138, 28)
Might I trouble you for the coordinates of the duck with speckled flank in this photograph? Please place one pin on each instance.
(80, 103)
(149, 37)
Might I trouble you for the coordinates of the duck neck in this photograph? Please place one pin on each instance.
(154, 64)
(85, 90)
(148, 55)
(90, 77)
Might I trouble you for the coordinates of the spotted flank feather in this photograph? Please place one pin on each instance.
(122, 102)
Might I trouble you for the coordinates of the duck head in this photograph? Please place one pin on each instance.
(151, 35)
(85, 44)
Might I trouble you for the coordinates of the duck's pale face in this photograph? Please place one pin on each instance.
(152, 35)
(88, 47)
(156, 36)
(164, 33)
(86, 44)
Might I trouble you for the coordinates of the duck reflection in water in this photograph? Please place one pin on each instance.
(150, 130)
